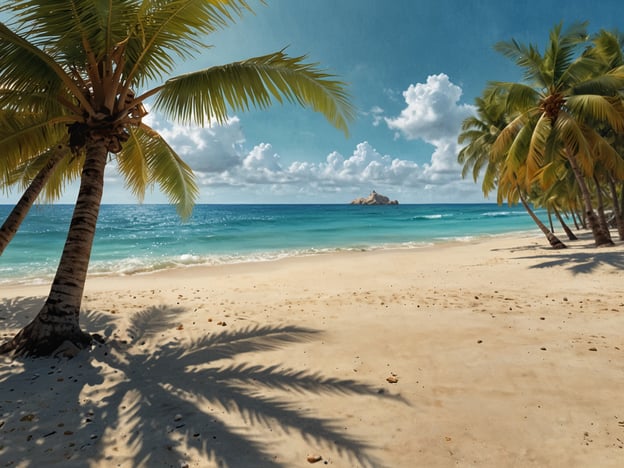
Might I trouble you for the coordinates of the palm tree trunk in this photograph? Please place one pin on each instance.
(619, 221)
(550, 221)
(554, 241)
(56, 327)
(602, 218)
(601, 239)
(21, 209)
(622, 198)
(576, 224)
(568, 231)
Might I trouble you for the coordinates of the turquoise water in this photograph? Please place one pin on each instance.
(140, 238)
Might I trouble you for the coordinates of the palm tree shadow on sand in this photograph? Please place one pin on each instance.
(169, 402)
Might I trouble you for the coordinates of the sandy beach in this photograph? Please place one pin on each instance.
(494, 353)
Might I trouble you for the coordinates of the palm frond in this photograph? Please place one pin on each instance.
(132, 164)
(514, 97)
(24, 67)
(526, 57)
(608, 48)
(147, 153)
(571, 134)
(608, 84)
(490, 179)
(23, 136)
(597, 109)
(208, 94)
(64, 27)
(506, 137)
(604, 154)
(518, 150)
(537, 146)
(164, 31)
(66, 170)
(562, 50)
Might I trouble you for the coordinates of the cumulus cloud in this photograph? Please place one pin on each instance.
(221, 158)
(432, 111)
(434, 114)
(364, 167)
(211, 149)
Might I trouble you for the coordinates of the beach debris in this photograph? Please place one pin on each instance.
(593, 349)
(314, 458)
(393, 378)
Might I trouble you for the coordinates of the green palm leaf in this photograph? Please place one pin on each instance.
(573, 139)
(536, 151)
(596, 108)
(166, 30)
(208, 94)
(24, 135)
(65, 172)
(148, 159)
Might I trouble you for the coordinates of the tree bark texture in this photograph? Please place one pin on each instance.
(601, 239)
(567, 230)
(602, 218)
(617, 212)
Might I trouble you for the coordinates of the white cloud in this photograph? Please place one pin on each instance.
(433, 113)
(366, 167)
(211, 149)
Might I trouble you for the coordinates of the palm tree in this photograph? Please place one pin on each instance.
(552, 114)
(79, 72)
(479, 133)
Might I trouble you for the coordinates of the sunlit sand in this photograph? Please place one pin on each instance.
(499, 352)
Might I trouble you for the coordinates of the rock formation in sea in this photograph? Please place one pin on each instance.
(374, 199)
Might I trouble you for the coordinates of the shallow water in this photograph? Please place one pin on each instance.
(139, 238)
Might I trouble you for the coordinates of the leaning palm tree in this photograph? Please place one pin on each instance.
(554, 112)
(82, 70)
(479, 132)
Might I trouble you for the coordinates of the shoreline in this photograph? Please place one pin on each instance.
(498, 352)
(174, 264)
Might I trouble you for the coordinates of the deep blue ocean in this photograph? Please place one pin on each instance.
(140, 238)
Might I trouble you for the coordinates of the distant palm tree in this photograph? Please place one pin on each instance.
(479, 133)
(553, 114)
(79, 72)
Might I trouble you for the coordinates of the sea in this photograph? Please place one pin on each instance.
(133, 239)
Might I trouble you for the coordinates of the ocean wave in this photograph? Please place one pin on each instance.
(501, 214)
(431, 216)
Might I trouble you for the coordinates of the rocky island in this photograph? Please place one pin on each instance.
(374, 199)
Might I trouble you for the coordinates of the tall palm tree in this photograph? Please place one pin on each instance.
(79, 72)
(479, 132)
(552, 114)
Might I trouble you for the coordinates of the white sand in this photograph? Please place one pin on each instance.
(506, 353)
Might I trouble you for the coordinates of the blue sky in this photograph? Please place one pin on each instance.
(414, 68)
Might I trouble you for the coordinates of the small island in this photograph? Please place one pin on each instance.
(374, 199)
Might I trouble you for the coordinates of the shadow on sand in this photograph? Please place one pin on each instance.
(581, 256)
(167, 401)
